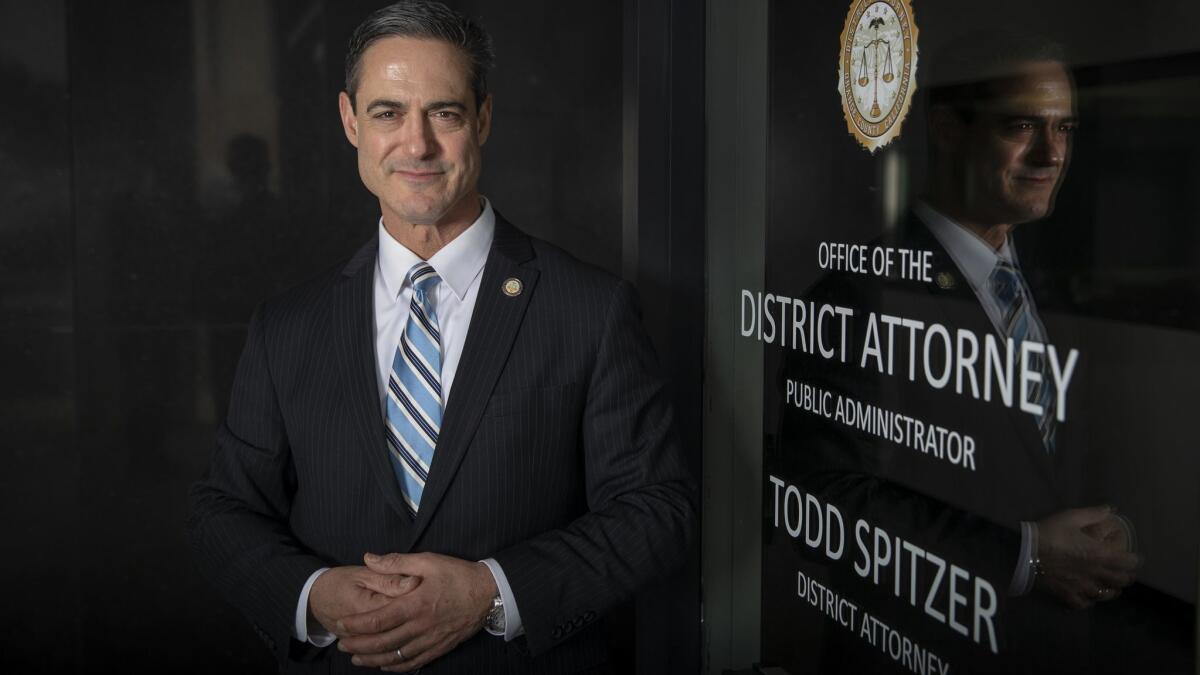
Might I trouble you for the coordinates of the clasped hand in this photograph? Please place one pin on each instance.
(402, 611)
(1086, 556)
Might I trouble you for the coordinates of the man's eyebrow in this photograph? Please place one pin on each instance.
(384, 103)
(1037, 116)
(436, 105)
(442, 105)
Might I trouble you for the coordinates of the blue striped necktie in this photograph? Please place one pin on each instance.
(1018, 323)
(414, 401)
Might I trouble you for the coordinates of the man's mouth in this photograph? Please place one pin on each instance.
(1037, 179)
(417, 175)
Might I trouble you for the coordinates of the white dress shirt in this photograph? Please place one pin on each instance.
(460, 266)
(976, 259)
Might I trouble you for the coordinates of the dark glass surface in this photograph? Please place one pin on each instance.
(165, 167)
(1112, 268)
(39, 484)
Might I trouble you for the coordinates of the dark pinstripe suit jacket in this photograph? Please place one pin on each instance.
(557, 457)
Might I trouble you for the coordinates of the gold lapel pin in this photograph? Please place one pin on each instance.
(945, 280)
(512, 287)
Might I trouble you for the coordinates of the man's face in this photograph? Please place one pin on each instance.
(1017, 147)
(417, 130)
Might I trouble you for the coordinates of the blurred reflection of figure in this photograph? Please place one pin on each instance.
(1000, 140)
(245, 226)
(250, 166)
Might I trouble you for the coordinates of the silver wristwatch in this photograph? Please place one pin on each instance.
(494, 621)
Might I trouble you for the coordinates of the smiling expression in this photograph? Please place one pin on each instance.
(418, 131)
(1018, 146)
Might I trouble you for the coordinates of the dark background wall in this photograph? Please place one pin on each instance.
(165, 166)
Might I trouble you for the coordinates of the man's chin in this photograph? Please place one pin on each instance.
(431, 214)
(1031, 214)
(1032, 207)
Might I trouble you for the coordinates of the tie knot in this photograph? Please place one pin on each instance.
(1005, 282)
(423, 277)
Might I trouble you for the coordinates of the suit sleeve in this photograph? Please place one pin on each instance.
(641, 498)
(238, 525)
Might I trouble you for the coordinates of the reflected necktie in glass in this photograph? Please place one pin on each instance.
(414, 400)
(1017, 322)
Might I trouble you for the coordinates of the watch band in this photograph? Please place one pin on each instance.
(494, 622)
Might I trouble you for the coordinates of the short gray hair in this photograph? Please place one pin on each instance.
(429, 20)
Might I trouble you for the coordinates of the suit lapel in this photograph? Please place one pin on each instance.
(354, 333)
(494, 326)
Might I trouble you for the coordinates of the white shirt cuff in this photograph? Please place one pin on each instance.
(315, 634)
(1023, 577)
(512, 616)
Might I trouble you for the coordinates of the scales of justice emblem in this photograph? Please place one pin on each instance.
(877, 71)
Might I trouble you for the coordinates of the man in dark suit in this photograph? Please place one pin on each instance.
(469, 411)
(1018, 514)
(1001, 146)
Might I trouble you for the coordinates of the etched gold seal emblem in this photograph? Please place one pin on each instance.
(877, 71)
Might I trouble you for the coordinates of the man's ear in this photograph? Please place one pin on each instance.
(349, 119)
(947, 129)
(483, 121)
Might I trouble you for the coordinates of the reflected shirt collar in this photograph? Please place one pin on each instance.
(975, 257)
(457, 263)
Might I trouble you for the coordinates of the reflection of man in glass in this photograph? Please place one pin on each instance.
(1000, 147)
(1021, 517)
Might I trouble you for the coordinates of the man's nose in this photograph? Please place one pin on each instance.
(1050, 146)
(418, 141)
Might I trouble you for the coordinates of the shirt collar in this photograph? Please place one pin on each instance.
(975, 257)
(457, 263)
